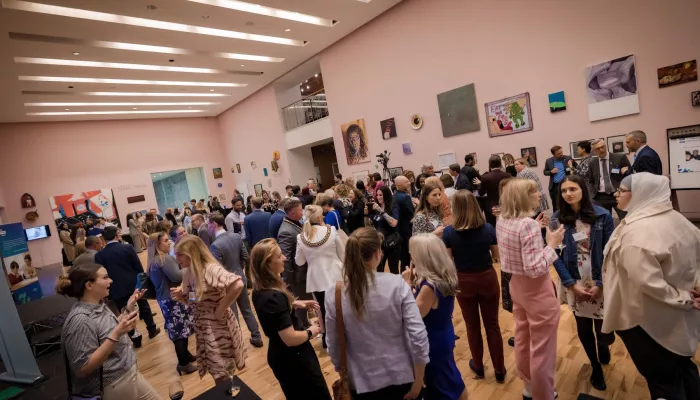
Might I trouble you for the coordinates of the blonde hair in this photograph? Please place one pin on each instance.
(433, 264)
(466, 211)
(314, 214)
(200, 257)
(360, 249)
(515, 198)
(262, 278)
(508, 159)
(342, 190)
(521, 161)
(435, 181)
(321, 197)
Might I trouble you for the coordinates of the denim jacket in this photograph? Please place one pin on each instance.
(567, 263)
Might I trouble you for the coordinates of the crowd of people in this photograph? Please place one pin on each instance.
(374, 269)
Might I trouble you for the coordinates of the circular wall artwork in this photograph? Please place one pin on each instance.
(276, 155)
(220, 185)
(31, 216)
(416, 121)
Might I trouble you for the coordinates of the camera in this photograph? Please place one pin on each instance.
(383, 158)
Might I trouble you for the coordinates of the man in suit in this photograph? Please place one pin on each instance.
(488, 185)
(200, 228)
(123, 266)
(470, 173)
(229, 250)
(605, 175)
(276, 219)
(294, 275)
(93, 244)
(257, 224)
(457, 176)
(556, 168)
(402, 198)
(645, 158)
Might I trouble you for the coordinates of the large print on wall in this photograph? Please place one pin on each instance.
(459, 112)
(510, 115)
(355, 141)
(78, 207)
(612, 89)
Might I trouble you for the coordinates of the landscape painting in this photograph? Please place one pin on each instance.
(510, 115)
(678, 73)
(557, 102)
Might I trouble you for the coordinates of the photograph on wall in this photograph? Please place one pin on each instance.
(557, 102)
(355, 141)
(406, 148)
(530, 155)
(77, 207)
(678, 73)
(360, 176)
(612, 89)
(573, 148)
(459, 112)
(691, 149)
(510, 115)
(616, 144)
(238, 168)
(258, 189)
(218, 174)
(695, 99)
(388, 128)
(396, 171)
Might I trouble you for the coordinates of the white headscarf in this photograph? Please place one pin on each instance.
(648, 190)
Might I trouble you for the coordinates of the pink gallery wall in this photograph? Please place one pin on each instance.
(46, 159)
(397, 64)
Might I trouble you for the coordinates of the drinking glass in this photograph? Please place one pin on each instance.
(554, 224)
(233, 390)
(176, 391)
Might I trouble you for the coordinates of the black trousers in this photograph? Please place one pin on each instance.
(669, 375)
(144, 312)
(393, 256)
(405, 255)
(394, 392)
(608, 202)
(554, 194)
(593, 341)
(184, 356)
(321, 299)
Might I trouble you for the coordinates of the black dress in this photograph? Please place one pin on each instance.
(296, 368)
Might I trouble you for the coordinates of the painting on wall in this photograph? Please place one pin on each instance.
(616, 144)
(678, 73)
(530, 155)
(406, 147)
(396, 171)
(258, 189)
(573, 148)
(238, 168)
(360, 176)
(557, 102)
(509, 115)
(612, 89)
(388, 128)
(78, 207)
(355, 141)
(459, 112)
(695, 99)
(218, 174)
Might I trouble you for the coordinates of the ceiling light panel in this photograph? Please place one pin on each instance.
(115, 112)
(142, 67)
(143, 22)
(268, 11)
(121, 94)
(191, 103)
(126, 81)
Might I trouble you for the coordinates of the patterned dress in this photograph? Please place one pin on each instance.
(589, 308)
(219, 342)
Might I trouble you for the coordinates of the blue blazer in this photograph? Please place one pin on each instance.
(122, 265)
(567, 263)
(647, 161)
(257, 226)
(275, 223)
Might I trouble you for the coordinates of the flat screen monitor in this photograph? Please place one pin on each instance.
(37, 232)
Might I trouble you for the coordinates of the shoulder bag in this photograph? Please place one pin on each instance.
(341, 388)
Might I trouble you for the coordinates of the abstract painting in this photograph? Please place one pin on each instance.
(388, 128)
(679, 73)
(355, 141)
(509, 115)
(557, 102)
(612, 89)
(695, 99)
(530, 155)
(77, 207)
(459, 112)
(218, 174)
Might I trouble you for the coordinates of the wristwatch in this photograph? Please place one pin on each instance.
(308, 332)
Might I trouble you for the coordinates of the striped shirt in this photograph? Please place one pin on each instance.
(528, 174)
(85, 329)
(522, 249)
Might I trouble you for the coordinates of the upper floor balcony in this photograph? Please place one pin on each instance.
(305, 111)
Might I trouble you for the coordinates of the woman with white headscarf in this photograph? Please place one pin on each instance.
(651, 283)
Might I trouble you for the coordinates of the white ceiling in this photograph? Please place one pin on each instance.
(36, 36)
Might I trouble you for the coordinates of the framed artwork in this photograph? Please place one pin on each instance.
(529, 154)
(406, 146)
(557, 102)
(677, 74)
(446, 159)
(355, 142)
(72, 208)
(258, 189)
(616, 144)
(360, 176)
(459, 112)
(510, 115)
(611, 87)
(388, 128)
(396, 171)
(336, 171)
(573, 148)
(695, 99)
(218, 174)
(238, 168)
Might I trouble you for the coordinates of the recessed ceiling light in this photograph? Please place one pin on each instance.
(115, 112)
(184, 103)
(142, 22)
(67, 109)
(316, 75)
(134, 108)
(302, 90)
(126, 81)
(101, 64)
(307, 86)
(287, 30)
(269, 11)
(211, 90)
(75, 53)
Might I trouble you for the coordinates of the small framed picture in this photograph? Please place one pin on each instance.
(616, 144)
(396, 171)
(573, 148)
(529, 154)
(695, 99)
(360, 176)
(258, 189)
(406, 146)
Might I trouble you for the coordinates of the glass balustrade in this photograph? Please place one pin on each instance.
(305, 111)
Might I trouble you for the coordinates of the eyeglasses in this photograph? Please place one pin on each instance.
(621, 190)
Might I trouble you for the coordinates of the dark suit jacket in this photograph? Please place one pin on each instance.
(549, 166)
(203, 233)
(406, 211)
(275, 223)
(471, 173)
(489, 186)
(615, 162)
(287, 240)
(647, 161)
(257, 226)
(123, 265)
(229, 250)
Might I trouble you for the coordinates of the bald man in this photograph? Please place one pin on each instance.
(405, 227)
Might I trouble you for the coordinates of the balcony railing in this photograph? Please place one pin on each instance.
(305, 111)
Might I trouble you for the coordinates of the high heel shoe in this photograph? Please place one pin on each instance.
(186, 369)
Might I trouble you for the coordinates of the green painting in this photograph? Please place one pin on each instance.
(557, 102)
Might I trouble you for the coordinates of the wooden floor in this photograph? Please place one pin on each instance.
(157, 363)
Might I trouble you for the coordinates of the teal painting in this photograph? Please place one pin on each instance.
(557, 102)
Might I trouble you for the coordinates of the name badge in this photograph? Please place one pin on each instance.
(192, 296)
(615, 171)
(579, 236)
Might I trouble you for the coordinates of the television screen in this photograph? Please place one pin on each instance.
(37, 232)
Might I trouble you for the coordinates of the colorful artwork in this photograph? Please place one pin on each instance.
(557, 102)
(218, 174)
(78, 207)
(406, 148)
(510, 115)
(530, 155)
(388, 128)
(679, 73)
(612, 89)
(355, 141)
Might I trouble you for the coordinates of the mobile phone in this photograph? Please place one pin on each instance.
(139, 284)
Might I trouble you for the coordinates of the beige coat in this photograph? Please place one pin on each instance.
(651, 263)
(68, 245)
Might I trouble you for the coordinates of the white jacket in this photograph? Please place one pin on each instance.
(324, 253)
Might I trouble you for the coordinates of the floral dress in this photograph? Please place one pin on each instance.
(588, 308)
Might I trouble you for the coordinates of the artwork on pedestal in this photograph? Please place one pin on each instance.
(612, 89)
(678, 73)
(458, 111)
(530, 155)
(388, 127)
(355, 141)
(557, 102)
(509, 115)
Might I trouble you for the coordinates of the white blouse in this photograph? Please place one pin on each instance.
(324, 253)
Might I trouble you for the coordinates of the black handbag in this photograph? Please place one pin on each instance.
(144, 282)
(391, 241)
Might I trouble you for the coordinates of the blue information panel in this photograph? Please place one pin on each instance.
(12, 240)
